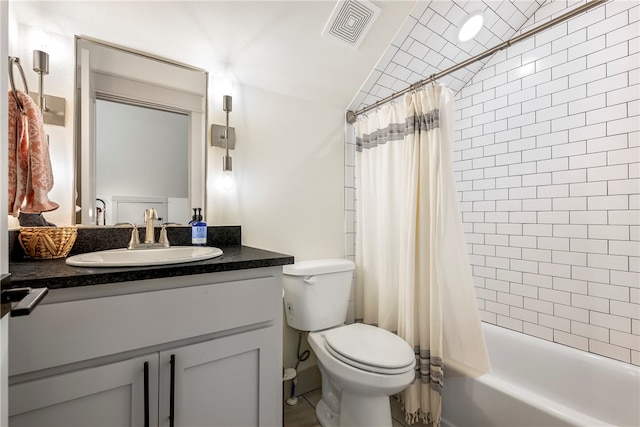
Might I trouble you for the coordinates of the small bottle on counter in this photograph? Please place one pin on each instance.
(198, 229)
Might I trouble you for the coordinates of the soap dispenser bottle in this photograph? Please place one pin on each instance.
(198, 229)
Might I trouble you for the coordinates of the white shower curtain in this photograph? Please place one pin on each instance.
(413, 273)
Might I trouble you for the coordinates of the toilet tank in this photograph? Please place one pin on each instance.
(316, 293)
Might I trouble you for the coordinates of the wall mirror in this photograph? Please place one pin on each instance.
(140, 135)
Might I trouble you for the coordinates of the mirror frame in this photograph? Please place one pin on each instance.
(114, 72)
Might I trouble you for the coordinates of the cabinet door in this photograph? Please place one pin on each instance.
(108, 395)
(229, 381)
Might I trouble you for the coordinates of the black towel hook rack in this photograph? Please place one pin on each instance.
(16, 61)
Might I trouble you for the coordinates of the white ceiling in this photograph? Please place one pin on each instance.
(274, 45)
(278, 46)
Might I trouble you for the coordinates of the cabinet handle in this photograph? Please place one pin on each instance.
(27, 299)
(146, 394)
(172, 391)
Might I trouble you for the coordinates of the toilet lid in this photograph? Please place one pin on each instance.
(370, 348)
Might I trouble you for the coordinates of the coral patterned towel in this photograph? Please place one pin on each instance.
(30, 174)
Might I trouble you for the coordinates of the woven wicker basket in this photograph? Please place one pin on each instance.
(47, 242)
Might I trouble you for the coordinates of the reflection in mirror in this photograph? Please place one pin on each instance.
(128, 139)
(170, 102)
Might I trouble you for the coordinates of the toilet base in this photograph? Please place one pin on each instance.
(326, 417)
(356, 411)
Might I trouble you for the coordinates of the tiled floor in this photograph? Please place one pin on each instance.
(303, 414)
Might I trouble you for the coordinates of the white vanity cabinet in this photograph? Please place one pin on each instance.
(211, 345)
(107, 395)
(218, 380)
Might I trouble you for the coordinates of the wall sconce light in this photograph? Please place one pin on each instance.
(225, 137)
(52, 108)
(41, 66)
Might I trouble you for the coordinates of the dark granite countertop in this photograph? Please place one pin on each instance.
(56, 274)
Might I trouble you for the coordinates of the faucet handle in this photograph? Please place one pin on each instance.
(163, 239)
(135, 238)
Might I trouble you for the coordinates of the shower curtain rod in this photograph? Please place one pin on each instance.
(351, 116)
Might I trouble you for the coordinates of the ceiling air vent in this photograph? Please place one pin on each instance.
(350, 22)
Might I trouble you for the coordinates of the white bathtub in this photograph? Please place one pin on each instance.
(537, 383)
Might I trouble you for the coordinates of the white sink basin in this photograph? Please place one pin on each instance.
(141, 257)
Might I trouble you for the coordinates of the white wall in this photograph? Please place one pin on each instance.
(288, 165)
(59, 82)
(548, 167)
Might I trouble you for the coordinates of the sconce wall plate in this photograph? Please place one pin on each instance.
(217, 136)
(55, 108)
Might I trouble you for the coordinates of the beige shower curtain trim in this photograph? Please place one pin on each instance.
(351, 115)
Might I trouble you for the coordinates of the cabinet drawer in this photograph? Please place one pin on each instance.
(69, 332)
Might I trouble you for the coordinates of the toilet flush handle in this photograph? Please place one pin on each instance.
(310, 280)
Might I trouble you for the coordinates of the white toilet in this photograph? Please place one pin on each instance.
(361, 365)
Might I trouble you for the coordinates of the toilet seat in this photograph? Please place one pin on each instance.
(370, 348)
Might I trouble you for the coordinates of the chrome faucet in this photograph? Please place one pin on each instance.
(149, 215)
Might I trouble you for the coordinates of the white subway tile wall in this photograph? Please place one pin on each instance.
(350, 209)
(427, 43)
(547, 164)
(570, 124)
